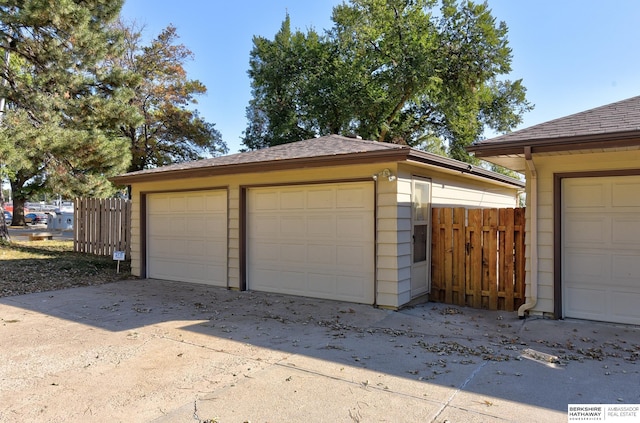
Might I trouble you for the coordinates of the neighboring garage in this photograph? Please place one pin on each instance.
(333, 217)
(583, 211)
(313, 240)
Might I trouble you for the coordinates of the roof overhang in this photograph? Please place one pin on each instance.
(382, 156)
(169, 173)
(510, 154)
(463, 168)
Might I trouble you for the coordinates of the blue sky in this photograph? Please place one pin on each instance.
(572, 55)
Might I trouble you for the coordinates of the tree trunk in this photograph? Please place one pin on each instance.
(18, 206)
(4, 231)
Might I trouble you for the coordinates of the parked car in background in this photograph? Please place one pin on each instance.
(36, 218)
(8, 217)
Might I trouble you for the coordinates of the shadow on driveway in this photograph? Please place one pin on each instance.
(440, 361)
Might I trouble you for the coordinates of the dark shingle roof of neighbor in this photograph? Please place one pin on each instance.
(611, 122)
(323, 151)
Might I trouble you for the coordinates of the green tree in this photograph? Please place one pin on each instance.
(63, 105)
(170, 131)
(388, 70)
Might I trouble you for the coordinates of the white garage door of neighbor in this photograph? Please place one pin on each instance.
(601, 248)
(187, 236)
(313, 240)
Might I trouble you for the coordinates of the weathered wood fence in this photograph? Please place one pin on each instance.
(102, 226)
(478, 257)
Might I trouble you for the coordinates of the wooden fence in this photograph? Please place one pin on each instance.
(102, 226)
(478, 257)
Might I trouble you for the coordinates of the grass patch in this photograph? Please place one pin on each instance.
(37, 266)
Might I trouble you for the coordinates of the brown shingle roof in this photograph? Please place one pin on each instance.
(610, 123)
(327, 146)
(324, 151)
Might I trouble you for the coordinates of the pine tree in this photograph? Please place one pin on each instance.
(63, 103)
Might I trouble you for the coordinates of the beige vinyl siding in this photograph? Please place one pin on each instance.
(546, 167)
(234, 238)
(453, 189)
(446, 194)
(388, 251)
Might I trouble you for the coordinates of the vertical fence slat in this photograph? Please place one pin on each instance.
(436, 254)
(458, 238)
(506, 253)
(474, 267)
(490, 252)
(448, 256)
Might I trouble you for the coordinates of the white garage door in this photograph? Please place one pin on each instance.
(601, 248)
(312, 240)
(187, 236)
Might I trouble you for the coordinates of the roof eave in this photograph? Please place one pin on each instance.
(463, 168)
(544, 145)
(271, 165)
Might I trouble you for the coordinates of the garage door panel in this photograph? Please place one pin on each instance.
(585, 195)
(266, 201)
(265, 253)
(321, 254)
(585, 267)
(291, 200)
(319, 245)
(177, 203)
(353, 287)
(196, 225)
(321, 285)
(266, 227)
(289, 282)
(194, 204)
(601, 248)
(354, 198)
(292, 253)
(626, 269)
(213, 227)
(187, 236)
(621, 195)
(321, 226)
(626, 230)
(627, 302)
(586, 303)
(320, 199)
(589, 229)
(354, 226)
(291, 226)
(351, 256)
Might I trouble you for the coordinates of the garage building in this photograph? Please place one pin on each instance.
(332, 217)
(583, 211)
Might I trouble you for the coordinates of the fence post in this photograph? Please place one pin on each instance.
(473, 267)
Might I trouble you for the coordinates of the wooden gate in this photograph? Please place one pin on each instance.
(477, 257)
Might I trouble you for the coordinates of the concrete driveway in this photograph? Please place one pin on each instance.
(149, 350)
